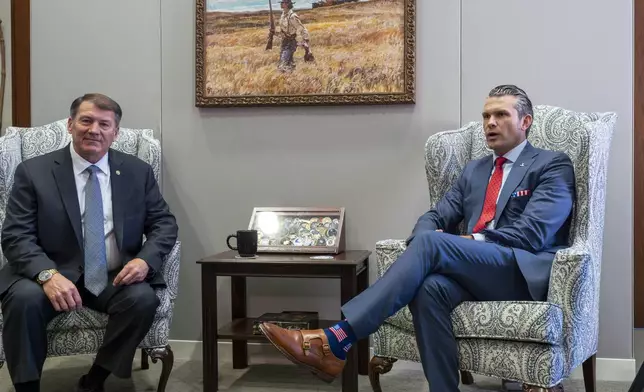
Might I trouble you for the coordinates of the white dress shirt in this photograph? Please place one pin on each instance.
(81, 177)
(511, 157)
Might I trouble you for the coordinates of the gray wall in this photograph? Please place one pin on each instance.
(220, 163)
(112, 47)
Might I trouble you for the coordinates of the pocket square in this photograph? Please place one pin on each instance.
(525, 192)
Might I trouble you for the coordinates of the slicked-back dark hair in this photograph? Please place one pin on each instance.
(523, 105)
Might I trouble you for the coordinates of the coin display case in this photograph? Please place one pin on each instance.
(298, 229)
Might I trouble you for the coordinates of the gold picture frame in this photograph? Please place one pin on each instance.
(349, 52)
(298, 229)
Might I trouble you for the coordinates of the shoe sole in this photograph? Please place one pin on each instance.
(319, 374)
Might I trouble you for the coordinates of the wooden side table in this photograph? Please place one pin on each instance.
(351, 267)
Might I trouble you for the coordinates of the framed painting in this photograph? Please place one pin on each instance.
(304, 52)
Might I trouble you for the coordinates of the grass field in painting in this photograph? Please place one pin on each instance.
(358, 48)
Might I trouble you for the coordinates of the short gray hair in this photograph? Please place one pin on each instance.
(101, 101)
(523, 105)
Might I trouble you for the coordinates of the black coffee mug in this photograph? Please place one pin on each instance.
(246, 242)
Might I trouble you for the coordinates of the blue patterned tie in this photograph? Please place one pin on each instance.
(95, 258)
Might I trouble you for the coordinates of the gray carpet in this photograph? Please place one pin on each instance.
(265, 374)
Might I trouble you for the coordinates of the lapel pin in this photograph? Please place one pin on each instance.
(521, 165)
(118, 172)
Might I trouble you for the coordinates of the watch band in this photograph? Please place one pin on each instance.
(52, 271)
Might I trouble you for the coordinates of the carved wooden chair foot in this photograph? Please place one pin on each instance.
(466, 378)
(166, 356)
(377, 366)
(529, 388)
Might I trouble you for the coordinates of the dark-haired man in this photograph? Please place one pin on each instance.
(72, 237)
(516, 205)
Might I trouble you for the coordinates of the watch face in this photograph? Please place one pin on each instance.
(44, 275)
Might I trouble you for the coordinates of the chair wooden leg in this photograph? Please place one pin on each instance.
(166, 356)
(530, 388)
(589, 374)
(145, 365)
(508, 385)
(466, 378)
(589, 379)
(377, 366)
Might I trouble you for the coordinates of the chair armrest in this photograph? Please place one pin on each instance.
(387, 251)
(574, 285)
(572, 279)
(170, 270)
(158, 335)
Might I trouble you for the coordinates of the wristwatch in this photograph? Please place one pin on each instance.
(45, 275)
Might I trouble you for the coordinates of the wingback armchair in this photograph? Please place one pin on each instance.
(81, 332)
(534, 343)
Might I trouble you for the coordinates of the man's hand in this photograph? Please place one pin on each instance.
(134, 271)
(62, 293)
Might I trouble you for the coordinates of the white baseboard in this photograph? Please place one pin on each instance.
(611, 369)
(608, 369)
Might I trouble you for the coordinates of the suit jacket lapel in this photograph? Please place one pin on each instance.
(64, 173)
(519, 169)
(480, 178)
(118, 179)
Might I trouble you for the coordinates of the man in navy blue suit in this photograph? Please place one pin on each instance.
(516, 204)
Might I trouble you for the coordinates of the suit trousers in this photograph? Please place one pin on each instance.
(26, 311)
(435, 274)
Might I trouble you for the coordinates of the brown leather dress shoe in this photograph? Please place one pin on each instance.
(308, 348)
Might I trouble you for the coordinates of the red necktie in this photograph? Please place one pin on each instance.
(492, 193)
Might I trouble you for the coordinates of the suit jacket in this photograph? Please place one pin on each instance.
(533, 211)
(42, 228)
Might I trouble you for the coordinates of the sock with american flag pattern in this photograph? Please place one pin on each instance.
(341, 337)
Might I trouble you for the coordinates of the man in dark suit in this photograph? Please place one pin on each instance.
(73, 236)
(516, 204)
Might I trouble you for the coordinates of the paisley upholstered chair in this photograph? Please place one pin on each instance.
(81, 332)
(534, 343)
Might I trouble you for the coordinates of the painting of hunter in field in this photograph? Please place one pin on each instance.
(254, 52)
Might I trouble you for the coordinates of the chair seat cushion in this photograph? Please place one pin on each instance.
(87, 318)
(523, 321)
(84, 318)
